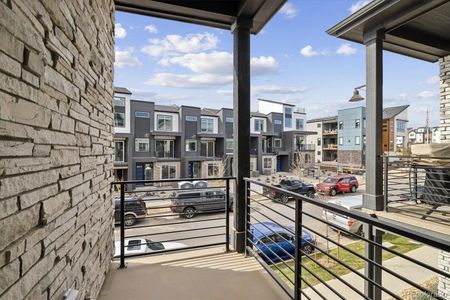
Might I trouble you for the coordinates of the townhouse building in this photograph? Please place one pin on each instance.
(167, 142)
(340, 140)
(424, 135)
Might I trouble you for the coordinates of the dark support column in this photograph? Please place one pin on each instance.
(373, 198)
(241, 124)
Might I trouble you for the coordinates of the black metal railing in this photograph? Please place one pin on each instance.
(160, 216)
(293, 243)
(418, 185)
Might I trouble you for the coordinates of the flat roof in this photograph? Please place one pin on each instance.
(217, 13)
(277, 102)
(416, 28)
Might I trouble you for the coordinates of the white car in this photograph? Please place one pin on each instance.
(141, 246)
(342, 221)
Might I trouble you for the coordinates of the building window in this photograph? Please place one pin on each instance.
(119, 101)
(357, 140)
(164, 122)
(364, 123)
(213, 170)
(288, 117)
(259, 125)
(341, 141)
(318, 152)
(164, 149)
(207, 125)
(191, 145)
(119, 119)
(191, 118)
(307, 158)
(401, 126)
(299, 124)
(119, 148)
(319, 141)
(142, 114)
(230, 143)
(319, 125)
(252, 165)
(141, 145)
(277, 122)
(341, 125)
(207, 148)
(168, 172)
(229, 119)
(364, 139)
(277, 143)
(267, 163)
(357, 123)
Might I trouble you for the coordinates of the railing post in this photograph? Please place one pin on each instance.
(298, 245)
(386, 180)
(373, 254)
(227, 216)
(122, 226)
(247, 234)
(415, 183)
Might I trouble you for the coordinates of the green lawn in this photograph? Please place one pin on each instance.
(401, 245)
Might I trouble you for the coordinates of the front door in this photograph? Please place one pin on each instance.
(144, 171)
(278, 163)
(194, 169)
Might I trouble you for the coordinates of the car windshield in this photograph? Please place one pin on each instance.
(134, 245)
(155, 246)
(330, 180)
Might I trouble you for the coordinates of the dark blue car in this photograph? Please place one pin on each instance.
(271, 239)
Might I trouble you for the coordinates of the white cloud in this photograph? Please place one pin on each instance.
(289, 10)
(433, 80)
(189, 80)
(308, 51)
(119, 31)
(151, 28)
(276, 89)
(263, 65)
(176, 44)
(126, 58)
(426, 94)
(358, 5)
(346, 49)
(225, 92)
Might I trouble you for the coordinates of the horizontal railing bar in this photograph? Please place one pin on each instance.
(180, 239)
(172, 189)
(177, 231)
(172, 250)
(414, 157)
(388, 225)
(172, 180)
(273, 199)
(176, 223)
(177, 214)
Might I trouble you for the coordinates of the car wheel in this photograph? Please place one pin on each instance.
(308, 249)
(353, 189)
(310, 194)
(360, 231)
(189, 212)
(284, 199)
(333, 192)
(130, 220)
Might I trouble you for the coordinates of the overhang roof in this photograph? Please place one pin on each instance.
(415, 28)
(217, 13)
(390, 112)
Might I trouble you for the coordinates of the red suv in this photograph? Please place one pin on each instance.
(338, 184)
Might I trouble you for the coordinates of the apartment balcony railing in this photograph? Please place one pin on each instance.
(418, 186)
(330, 147)
(305, 147)
(165, 154)
(172, 211)
(383, 259)
(329, 132)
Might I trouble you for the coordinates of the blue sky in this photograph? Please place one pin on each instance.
(293, 60)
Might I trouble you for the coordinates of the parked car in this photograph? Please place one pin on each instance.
(190, 203)
(343, 221)
(135, 209)
(338, 184)
(141, 246)
(295, 186)
(270, 239)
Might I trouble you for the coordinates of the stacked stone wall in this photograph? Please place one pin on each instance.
(56, 147)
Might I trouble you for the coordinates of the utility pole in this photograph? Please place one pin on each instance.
(427, 133)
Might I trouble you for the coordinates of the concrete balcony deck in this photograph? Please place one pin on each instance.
(200, 274)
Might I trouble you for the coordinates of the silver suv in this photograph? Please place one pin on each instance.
(190, 203)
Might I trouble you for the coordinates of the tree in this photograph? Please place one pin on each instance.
(298, 164)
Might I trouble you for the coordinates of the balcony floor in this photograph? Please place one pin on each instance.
(200, 274)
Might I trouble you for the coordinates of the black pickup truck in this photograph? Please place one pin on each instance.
(294, 185)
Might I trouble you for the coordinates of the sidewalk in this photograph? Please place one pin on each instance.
(405, 268)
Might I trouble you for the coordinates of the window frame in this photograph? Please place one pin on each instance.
(118, 98)
(275, 143)
(229, 119)
(166, 118)
(302, 123)
(264, 163)
(277, 122)
(227, 142)
(207, 148)
(215, 170)
(206, 129)
(137, 112)
(115, 119)
(260, 128)
(286, 118)
(169, 167)
(123, 151)
(172, 142)
(138, 141)
(191, 118)
(188, 141)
